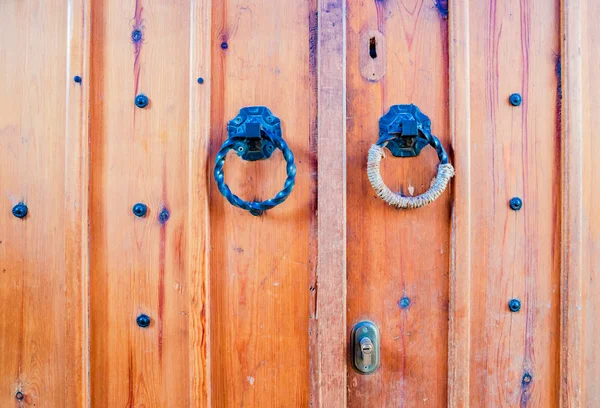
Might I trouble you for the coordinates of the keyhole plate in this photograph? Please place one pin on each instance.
(372, 55)
(361, 330)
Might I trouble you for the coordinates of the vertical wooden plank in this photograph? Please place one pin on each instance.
(152, 265)
(330, 353)
(582, 259)
(198, 215)
(459, 351)
(77, 204)
(259, 266)
(396, 254)
(514, 151)
(43, 163)
(573, 271)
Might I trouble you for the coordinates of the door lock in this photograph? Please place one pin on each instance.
(365, 341)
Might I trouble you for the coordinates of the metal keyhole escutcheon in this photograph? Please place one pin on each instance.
(365, 344)
(254, 134)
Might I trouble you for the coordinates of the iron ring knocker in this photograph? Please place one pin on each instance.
(254, 134)
(404, 131)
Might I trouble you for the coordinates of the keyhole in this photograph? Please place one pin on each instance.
(373, 48)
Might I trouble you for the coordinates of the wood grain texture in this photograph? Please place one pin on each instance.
(514, 151)
(459, 351)
(157, 156)
(43, 163)
(577, 208)
(394, 254)
(582, 268)
(330, 352)
(198, 210)
(259, 266)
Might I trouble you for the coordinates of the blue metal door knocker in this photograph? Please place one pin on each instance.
(254, 134)
(405, 131)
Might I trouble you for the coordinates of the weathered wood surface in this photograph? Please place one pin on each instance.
(583, 81)
(459, 351)
(589, 238)
(43, 163)
(149, 265)
(259, 266)
(255, 311)
(329, 370)
(501, 48)
(394, 254)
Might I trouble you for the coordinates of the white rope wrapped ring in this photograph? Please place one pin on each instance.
(444, 172)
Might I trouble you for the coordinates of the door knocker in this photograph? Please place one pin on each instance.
(405, 130)
(254, 134)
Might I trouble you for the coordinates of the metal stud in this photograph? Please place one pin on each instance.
(514, 305)
(139, 210)
(515, 99)
(77, 79)
(141, 101)
(20, 210)
(20, 396)
(143, 320)
(527, 378)
(136, 35)
(224, 45)
(404, 303)
(201, 80)
(163, 216)
(516, 203)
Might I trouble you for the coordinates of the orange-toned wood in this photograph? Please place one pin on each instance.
(329, 351)
(580, 210)
(459, 351)
(582, 304)
(394, 254)
(199, 178)
(43, 163)
(502, 48)
(259, 266)
(157, 156)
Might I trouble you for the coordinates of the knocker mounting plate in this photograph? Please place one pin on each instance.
(404, 128)
(253, 131)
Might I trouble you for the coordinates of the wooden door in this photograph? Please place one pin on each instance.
(195, 302)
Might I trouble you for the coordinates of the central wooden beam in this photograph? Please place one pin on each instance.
(329, 357)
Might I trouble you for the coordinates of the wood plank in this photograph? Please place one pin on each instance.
(259, 266)
(515, 151)
(329, 355)
(574, 270)
(459, 352)
(395, 254)
(148, 265)
(583, 265)
(43, 163)
(198, 214)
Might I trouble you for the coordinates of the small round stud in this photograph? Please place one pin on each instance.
(141, 101)
(139, 210)
(527, 378)
(200, 80)
(515, 203)
(224, 45)
(77, 79)
(515, 99)
(164, 215)
(143, 320)
(20, 210)
(20, 396)
(514, 305)
(404, 303)
(136, 35)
